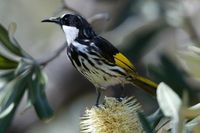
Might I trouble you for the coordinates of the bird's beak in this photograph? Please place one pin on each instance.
(53, 20)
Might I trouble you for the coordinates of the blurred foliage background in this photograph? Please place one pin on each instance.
(160, 37)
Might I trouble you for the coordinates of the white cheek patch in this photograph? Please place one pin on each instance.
(71, 33)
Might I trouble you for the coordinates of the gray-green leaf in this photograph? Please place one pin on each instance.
(37, 95)
(145, 123)
(6, 63)
(10, 97)
(7, 43)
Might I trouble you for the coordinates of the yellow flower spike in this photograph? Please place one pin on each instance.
(112, 117)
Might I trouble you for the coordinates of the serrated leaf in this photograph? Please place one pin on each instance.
(37, 95)
(168, 101)
(7, 43)
(145, 123)
(6, 63)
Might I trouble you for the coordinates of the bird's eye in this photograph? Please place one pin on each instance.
(76, 21)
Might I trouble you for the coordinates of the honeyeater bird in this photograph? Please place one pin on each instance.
(96, 58)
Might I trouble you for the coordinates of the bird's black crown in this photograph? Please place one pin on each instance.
(73, 20)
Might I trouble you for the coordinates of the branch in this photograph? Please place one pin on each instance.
(44, 62)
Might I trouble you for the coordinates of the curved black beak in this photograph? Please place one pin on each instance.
(53, 20)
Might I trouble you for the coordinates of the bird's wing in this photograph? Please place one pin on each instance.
(109, 52)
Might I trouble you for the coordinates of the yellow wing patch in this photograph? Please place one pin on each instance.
(123, 62)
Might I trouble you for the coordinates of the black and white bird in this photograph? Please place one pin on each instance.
(96, 58)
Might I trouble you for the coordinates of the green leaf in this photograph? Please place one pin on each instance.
(6, 63)
(25, 65)
(13, 93)
(4, 79)
(7, 43)
(155, 118)
(145, 123)
(37, 95)
(7, 76)
(11, 31)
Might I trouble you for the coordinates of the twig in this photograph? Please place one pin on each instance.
(53, 56)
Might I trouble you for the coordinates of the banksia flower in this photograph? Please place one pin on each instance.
(113, 116)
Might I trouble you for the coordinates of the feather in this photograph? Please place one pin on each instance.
(145, 84)
(123, 62)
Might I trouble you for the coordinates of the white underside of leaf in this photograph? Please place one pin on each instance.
(168, 101)
(7, 111)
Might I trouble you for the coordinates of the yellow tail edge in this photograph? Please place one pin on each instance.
(145, 84)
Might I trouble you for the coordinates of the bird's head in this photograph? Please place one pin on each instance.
(70, 20)
(73, 25)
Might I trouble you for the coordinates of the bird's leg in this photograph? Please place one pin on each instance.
(98, 96)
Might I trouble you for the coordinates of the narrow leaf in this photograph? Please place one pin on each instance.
(25, 66)
(38, 96)
(191, 124)
(5, 78)
(7, 75)
(6, 63)
(15, 90)
(155, 118)
(7, 43)
(6, 111)
(168, 101)
(145, 123)
(9, 90)
(11, 31)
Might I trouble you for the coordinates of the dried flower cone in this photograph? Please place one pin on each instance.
(112, 117)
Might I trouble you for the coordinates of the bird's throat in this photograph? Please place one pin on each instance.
(71, 33)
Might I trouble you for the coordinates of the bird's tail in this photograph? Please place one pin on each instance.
(145, 84)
